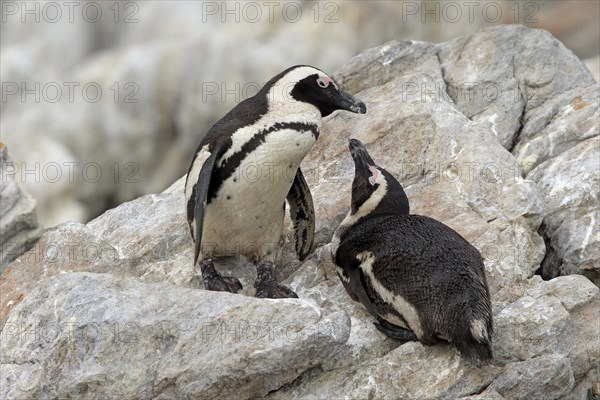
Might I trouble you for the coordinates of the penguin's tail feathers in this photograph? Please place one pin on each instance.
(475, 341)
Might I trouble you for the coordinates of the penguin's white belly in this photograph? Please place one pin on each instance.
(246, 217)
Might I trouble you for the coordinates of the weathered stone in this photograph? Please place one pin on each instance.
(593, 65)
(380, 65)
(546, 377)
(558, 125)
(158, 246)
(543, 104)
(69, 247)
(587, 386)
(486, 395)
(82, 335)
(157, 109)
(18, 220)
(411, 371)
(498, 75)
(558, 316)
(570, 184)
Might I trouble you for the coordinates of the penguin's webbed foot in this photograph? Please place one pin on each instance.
(267, 286)
(395, 332)
(214, 281)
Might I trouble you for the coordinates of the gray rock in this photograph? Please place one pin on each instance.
(547, 377)
(18, 219)
(411, 371)
(380, 65)
(83, 334)
(69, 247)
(557, 126)
(570, 184)
(498, 75)
(593, 64)
(587, 387)
(486, 395)
(553, 317)
(542, 106)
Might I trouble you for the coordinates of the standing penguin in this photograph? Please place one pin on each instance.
(246, 167)
(418, 277)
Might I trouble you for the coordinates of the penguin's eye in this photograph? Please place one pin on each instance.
(325, 81)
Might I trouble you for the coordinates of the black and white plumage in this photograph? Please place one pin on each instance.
(246, 167)
(418, 277)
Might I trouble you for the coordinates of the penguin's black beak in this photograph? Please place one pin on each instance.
(345, 101)
(362, 159)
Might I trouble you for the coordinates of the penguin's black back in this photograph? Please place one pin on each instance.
(433, 268)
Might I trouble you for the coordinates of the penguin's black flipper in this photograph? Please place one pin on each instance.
(302, 213)
(201, 194)
(395, 332)
(357, 284)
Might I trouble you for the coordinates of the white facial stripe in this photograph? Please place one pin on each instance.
(404, 308)
(282, 108)
(282, 88)
(369, 205)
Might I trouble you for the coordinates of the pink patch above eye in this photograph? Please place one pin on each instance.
(325, 81)
(374, 174)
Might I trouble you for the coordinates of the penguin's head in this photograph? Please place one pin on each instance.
(374, 189)
(306, 84)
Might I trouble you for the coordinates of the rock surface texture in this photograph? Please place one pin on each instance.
(19, 228)
(494, 134)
